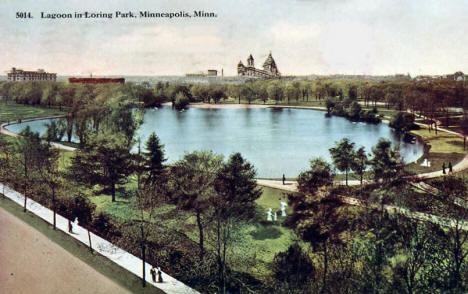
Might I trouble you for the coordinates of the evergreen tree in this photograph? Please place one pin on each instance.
(154, 158)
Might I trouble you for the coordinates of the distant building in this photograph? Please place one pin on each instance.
(270, 70)
(96, 80)
(19, 75)
(212, 72)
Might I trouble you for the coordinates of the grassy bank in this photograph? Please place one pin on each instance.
(12, 112)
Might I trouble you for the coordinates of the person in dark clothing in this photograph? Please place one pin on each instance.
(153, 274)
(450, 167)
(160, 279)
(284, 179)
(70, 227)
(443, 168)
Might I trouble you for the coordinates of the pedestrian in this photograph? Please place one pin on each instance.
(284, 179)
(450, 167)
(70, 227)
(160, 279)
(153, 274)
(443, 168)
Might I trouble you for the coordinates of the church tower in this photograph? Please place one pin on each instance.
(250, 61)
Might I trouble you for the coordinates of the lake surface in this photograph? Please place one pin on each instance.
(275, 141)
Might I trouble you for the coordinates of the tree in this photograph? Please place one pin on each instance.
(5, 151)
(294, 268)
(343, 156)
(386, 164)
(320, 222)
(154, 158)
(402, 122)
(419, 245)
(329, 104)
(50, 175)
(83, 209)
(352, 92)
(237, 191)
(55, 131)
(354, 112)
(105, 161)
(359, 163)
(181, 101)
(320, 174)
(275, 92)
(453, 193)
(193, 180)
(28, 148)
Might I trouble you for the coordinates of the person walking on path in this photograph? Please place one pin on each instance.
(443, 168)
(450, 167)
(153, 274)
(284, 179)
(70, 227)
(160, 279)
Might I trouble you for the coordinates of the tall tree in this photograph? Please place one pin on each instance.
(28, 149)
(385, 163)
(359, 163)
(319, 175)
(343, 156)
(154, 158)
(193, 180)
(237, 191)
(105, 161)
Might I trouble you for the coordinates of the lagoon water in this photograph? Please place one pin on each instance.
(275, 141)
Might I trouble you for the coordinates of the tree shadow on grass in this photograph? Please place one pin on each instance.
(263, 232)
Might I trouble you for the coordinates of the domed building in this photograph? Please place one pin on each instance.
(269, 71)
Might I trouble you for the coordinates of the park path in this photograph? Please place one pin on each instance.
(31, 263)
(119, 256)
(291, 186)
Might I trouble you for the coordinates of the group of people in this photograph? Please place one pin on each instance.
(449, 168)
(156, 274)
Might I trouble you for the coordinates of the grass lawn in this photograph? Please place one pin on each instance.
(97, 261)
(445, 147)
(443, 142)
(436, 159)
(12, 111)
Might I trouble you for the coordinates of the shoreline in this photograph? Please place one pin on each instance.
(458, 167)
(6, 132)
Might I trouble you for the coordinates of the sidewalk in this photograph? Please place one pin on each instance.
(124, 259)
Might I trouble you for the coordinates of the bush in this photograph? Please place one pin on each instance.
(181, 101)
(293, 268)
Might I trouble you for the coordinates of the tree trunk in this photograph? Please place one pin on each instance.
(346, 173)
(90, 245)
(143, 251)
(54, 209)
(325, 268)
(25, 183)
(113, 192)
(200, 233)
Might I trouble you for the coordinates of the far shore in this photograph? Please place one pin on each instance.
(244, 106)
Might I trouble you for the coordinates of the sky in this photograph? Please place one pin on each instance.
(374, 37)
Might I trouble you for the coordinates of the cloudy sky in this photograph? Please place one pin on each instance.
(305, 37)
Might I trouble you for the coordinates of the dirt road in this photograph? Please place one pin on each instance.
(31, 263)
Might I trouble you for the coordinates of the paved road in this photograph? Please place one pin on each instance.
(31, 263)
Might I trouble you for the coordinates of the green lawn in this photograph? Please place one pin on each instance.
(12, 111)
(95, 260)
